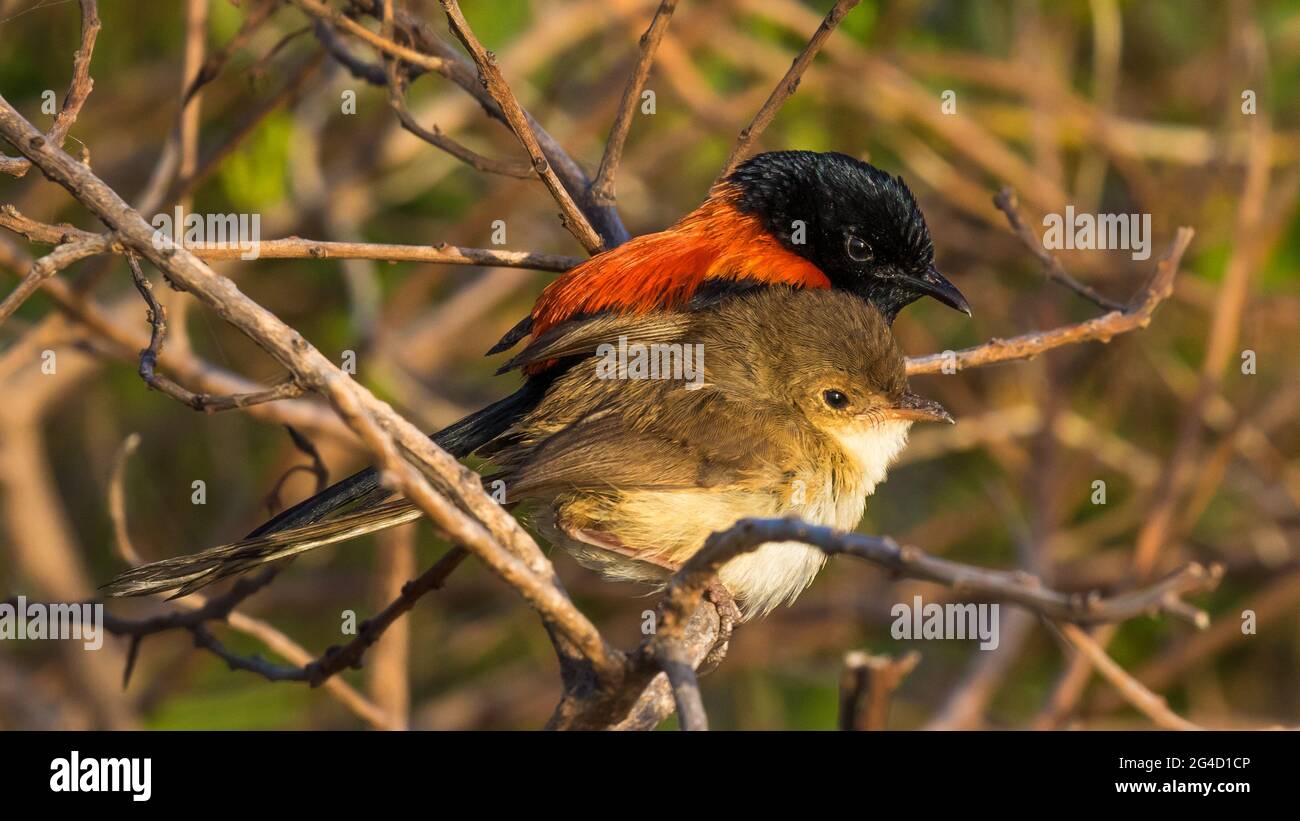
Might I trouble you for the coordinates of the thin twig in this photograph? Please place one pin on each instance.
(317, 469)
(301, 248)
(1134, 692)
(78, 90)
(337, 659)
(689, 583)
(49, 265)
(1005, 200)
(434, 137)
(264, 632)
(462, 72)
(336, 18)
(750, 133)
(1136, 315)
(681, 608)
(203, 402)
(495, 83)
(602, 190)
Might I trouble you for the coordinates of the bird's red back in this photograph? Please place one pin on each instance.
(665, 269)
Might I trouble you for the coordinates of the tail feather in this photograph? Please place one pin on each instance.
(460, 439)
(324, 518)
(185, 574)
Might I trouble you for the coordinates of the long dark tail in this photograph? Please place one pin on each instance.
(322, 519)
(459, 439)
(185, 574)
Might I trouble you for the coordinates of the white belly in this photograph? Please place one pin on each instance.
(777, 572)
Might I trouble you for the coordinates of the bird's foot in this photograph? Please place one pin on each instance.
(729, 616)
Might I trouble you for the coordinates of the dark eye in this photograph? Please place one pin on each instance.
(857, 249)
(835, 399)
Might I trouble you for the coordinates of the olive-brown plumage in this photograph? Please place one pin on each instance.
(801, 406)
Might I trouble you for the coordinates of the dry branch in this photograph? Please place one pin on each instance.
(750, 133)
(572, 218)
(78, 90)
(338, 19)
(681, 610)
(1133, 691)
(434, 136)
(492, 533)
(867, 685)
(672, 658)
(206, 403)
(602, 190)
(299, 248)
(49, 265)
(1005, 200)
(604, 218)
(1102, 329)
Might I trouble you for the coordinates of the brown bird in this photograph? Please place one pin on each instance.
(786, 218)
(668, 427)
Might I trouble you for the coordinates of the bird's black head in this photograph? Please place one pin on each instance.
(856, 223)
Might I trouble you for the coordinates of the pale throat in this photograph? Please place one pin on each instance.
(872, 447)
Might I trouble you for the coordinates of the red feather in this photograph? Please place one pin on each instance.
(664, 270)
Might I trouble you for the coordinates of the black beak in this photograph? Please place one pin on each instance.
(932, 283)
(914, 408)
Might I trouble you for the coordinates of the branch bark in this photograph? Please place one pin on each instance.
(495, 83)
(78, 90)
(749, 134)
(1102, 329)
(602, 190)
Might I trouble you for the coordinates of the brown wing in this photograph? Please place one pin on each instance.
(583, 337)
(595, 433)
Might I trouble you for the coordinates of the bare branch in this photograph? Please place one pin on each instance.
(672, 659)
(1133, 691)
(867, 685)
(437, 139)
(261, 630)
(49, 265)
(207, 403)
(750, 133)
(338, 19)
(317, 469)
(602, 190)
(212, 66)
(253, 664)
(1103, 328)
(573, 219)
(300, 248)
(680, 612)
(1005, 200)
(488, 530)
(349, 656)
(78, 90)
(688, 584)
(463, 73)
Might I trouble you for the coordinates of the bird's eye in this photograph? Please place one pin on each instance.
(835, 399)
(857, 249)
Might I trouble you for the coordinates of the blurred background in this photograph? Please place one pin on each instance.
(1109, 106)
